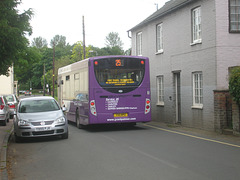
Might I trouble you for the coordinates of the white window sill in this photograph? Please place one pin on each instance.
(196, 42)
(197, 106)
(160, 104)
(159, 52)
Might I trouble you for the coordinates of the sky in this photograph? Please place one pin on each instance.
(64, 17)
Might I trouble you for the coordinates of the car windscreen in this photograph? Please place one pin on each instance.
(10, 98)
(119, 72)
(33, 106)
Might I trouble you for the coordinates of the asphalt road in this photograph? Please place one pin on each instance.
(121, 153)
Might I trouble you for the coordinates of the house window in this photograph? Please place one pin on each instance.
(197, 89)
(234, 16)
(159, 38)
(139, 44)
(160, 90)
(67, 78)
(196, 25)
(76, 76)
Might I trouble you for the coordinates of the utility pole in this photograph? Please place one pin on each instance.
(53, 65)
(156, 4)
(84, 48)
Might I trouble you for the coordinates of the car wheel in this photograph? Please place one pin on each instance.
(65, 135)
(4, 122)
(17, 139)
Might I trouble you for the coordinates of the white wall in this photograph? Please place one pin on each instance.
(7, 83)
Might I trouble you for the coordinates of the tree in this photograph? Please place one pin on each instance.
(59, 41)
(24, 67)
(13, 28)
(77, 53)
(39, 42)
(113, 40)
(234, 84)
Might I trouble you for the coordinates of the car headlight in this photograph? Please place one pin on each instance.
(23, 123)
(60, 120)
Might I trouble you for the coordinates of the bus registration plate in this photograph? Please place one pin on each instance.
(121, 115)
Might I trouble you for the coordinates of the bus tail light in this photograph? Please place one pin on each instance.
(147, 106)
(93, 107)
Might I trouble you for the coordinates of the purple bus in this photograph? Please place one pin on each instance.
(107, 89)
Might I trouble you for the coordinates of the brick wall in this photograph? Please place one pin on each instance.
(226, 112)
(236, 118)
(220, 110)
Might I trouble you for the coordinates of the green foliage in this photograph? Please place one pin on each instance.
(30, 68)
(58, 41)
(113, 40)
(24, 67)
(13, 28)
(39, 42)
(63, 61)
(77, 53)
(234, 84)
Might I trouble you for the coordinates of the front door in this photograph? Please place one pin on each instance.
(177, 92)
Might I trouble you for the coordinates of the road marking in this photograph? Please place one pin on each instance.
(192, 136)
(153, 157)
(109, 138)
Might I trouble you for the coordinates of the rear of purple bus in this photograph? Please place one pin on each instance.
(119, 90)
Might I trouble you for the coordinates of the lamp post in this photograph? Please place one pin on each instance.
(91, 51)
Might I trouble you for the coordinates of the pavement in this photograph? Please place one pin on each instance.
(230, 140)
(5, 133)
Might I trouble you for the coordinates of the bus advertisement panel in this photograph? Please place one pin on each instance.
(109, 89)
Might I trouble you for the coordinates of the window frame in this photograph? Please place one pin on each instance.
(139, 44)
(159, 38)
(197, 87)
(196, 25)
(160, 90)
(237, 16)
(68, 78)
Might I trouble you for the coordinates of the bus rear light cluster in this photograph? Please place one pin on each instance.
(93, 107)
(147, 106)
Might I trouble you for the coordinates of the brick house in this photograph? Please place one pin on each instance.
(191, 45)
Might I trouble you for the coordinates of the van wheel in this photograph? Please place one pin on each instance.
(79, 126)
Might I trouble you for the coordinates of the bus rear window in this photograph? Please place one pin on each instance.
(119, 72)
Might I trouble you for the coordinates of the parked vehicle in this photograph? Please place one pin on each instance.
(22, 91)
(39, 116)
(12, 103)
(4, 111)
(28, 93)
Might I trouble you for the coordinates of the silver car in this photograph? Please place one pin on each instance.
(39, 116)
(4, 111)
(12, 103)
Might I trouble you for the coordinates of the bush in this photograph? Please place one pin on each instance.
(234, 84)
